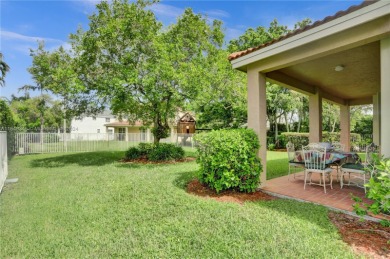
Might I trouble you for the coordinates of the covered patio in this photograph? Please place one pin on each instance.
(344, 59)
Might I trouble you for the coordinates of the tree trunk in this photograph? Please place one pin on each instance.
(286, 122)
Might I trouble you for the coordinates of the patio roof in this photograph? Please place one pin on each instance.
(357, 39)
(300, 30)
(305, 59)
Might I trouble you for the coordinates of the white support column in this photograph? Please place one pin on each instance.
(148, 135)
(376, 120)
(257, 115)
(345, 126)
(385, 97)
(315, 117)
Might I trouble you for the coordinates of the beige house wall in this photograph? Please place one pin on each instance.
(315, 117)
(385, 97)
(257, 115)
(345, 126)
(376, 120)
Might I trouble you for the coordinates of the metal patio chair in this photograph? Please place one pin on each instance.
(293, 161)
(360, 171)
(315, 162)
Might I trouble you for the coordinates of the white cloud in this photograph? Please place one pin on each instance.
(166, 10)
(232, 33)
(217, 13)
(9, 35)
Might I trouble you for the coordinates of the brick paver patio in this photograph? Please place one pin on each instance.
(336, 198)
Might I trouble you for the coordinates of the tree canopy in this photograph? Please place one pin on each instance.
(4, 69)
(147, 73)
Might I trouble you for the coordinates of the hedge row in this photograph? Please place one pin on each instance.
(302, 139)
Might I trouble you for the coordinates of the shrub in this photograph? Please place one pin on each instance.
(164, 151)
(133, 153)
(271, 147)
(155, 152)
(378, 190)
(145, 148)
(302, 139)
(228, 160)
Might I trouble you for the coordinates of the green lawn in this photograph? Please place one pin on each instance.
(90, 205)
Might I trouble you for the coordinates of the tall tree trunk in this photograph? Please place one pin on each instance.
(286, 121)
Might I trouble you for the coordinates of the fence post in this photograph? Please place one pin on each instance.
(3, 158)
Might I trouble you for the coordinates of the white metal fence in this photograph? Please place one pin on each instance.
(28, 143)
(3, 159)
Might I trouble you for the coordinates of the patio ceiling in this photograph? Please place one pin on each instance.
(359, 80)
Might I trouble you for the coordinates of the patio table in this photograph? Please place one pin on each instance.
(332, 157)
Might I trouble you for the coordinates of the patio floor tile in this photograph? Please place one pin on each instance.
(336, 198)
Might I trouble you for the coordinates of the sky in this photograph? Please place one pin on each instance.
(24, 22)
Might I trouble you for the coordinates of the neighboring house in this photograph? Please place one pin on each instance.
(123, 130)
(91, 124)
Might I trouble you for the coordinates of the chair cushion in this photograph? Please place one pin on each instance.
(353, 166)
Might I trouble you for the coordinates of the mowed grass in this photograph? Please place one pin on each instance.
(91, 205)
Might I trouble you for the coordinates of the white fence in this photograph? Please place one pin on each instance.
(28, 143)
(3, 159)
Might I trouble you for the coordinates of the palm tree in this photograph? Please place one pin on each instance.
(4, 68)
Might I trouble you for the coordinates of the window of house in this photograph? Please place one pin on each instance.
(107, 119)
(94, 118)
(98, 130)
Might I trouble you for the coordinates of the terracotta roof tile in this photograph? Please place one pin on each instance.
(300, 30)
(123, 123)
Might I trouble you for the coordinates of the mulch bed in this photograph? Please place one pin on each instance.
(144, 160)
(196, 188)
(366, 238)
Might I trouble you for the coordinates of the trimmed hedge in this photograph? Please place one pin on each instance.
(228, 159)
(302, 139)
(155, 152)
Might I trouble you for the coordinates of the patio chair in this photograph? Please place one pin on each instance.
(315, 162)
(293, 160)
(337, 147)
(360, 171)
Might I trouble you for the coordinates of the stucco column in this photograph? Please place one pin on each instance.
(376, 120)
(385, 97)
(345, 126)
(257, 115)
(315, 117)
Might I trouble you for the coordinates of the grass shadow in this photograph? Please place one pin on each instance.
(81, 159)
(300, 211)
(183, 179)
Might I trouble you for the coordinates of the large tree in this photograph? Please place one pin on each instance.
(141, 70)
(6, 116)
(28, 111)
(4, 69)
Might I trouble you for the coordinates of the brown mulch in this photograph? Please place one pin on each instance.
(144, 160)
(366, 238)
(196, 188)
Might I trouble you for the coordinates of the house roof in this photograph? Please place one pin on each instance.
(327, 19)
(123, 124)
(187, 117)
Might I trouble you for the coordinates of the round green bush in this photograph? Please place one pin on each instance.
(133, 153)
(228, 159)
(164, 151)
